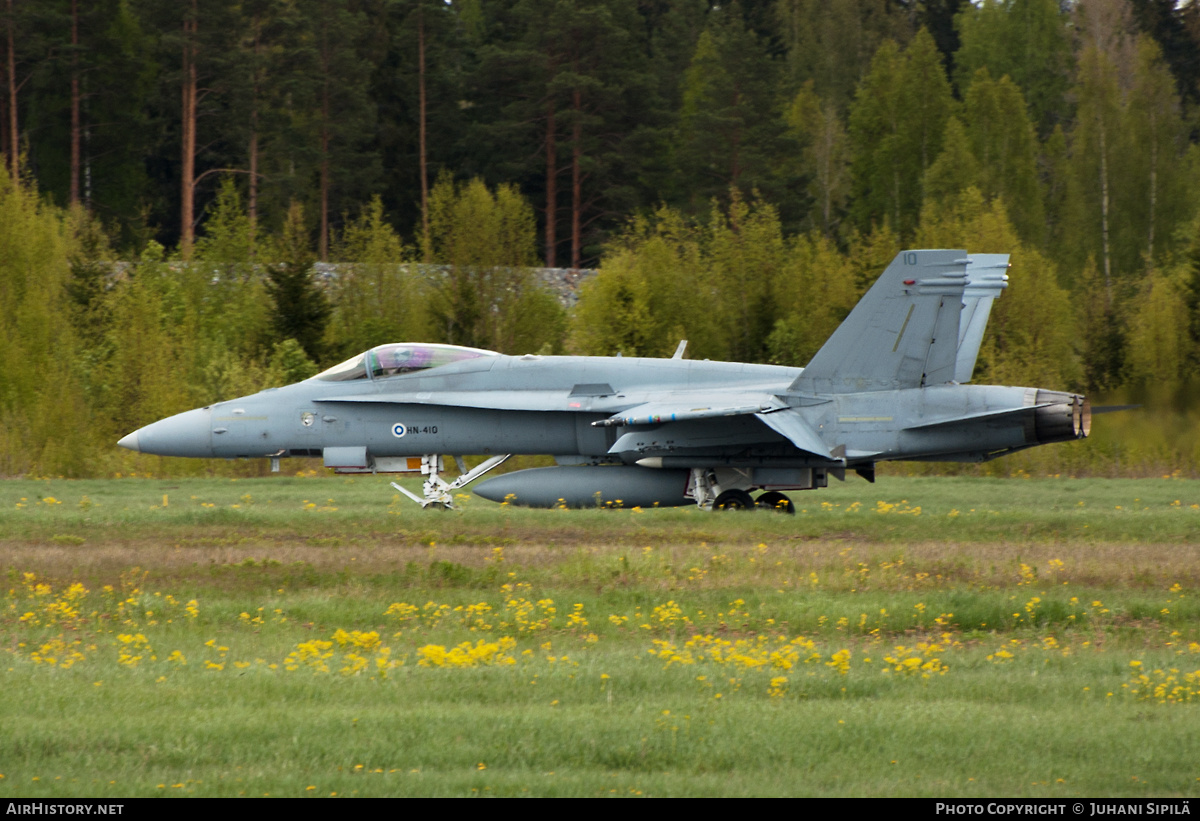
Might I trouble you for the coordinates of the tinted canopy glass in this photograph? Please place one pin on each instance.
(399, 358)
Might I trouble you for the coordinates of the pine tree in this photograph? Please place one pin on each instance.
(1024, 40)
(1004, 143)
(896, 127)
(301, 309)
(817, 126)
(730, 133)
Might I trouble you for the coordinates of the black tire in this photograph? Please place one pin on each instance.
(775, 501)
(734, 500)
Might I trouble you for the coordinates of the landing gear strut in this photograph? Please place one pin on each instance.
(438, 492)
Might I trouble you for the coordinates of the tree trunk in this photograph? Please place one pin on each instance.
(735, 145)
(14, 143)
(551, 187)
(75, 119)
(576, 178)
(188, 174)
(252, 204)
(1104, 217)
(421, 127)
(1153, 185)
(323, 240)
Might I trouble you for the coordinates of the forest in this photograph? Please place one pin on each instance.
(204, 198)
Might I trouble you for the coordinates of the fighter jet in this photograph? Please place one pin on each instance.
(889, 384)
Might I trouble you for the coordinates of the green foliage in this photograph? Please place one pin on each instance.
(1158, 339)
(379, 295)
(1152, 161)
(41, 399)
(1024, 40)
(228, 239)
(483, 244)
(288, 363)
(224, 285)
(641, 302)
(1031, 336)
(301, 308)
(730, 135)
(955, 169)
(669, 279)
(896, 128)
(831, 44)
(1102, 331)
(746, 262)
(149, 341)
(1005, 148)
(815, 293)
(817, 126)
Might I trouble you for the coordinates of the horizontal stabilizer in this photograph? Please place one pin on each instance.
(790, 424)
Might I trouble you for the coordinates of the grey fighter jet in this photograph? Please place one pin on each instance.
(625, 431)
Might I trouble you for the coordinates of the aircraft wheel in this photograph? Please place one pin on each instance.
(734, 500)
(776, 501)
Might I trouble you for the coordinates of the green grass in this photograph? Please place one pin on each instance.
(1034, 605)
(349, 509)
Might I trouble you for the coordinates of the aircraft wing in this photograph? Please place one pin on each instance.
(767, 408)
(700, 406)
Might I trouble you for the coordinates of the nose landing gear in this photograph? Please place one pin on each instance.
(438, 493)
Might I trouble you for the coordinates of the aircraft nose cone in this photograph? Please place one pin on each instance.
(184, 434)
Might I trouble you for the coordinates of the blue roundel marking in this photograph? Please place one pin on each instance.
(399, 430)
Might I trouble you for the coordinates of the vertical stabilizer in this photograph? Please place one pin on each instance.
(987, 276)
(903, 333)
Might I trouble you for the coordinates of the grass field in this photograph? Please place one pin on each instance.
(303, 636)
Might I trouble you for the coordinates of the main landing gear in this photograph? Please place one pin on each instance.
(705, 488)
(772, 500)
(741, 499)
(438, 492)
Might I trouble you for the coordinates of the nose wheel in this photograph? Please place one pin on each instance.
(438, 493)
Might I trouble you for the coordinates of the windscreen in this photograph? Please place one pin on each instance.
(352, 368)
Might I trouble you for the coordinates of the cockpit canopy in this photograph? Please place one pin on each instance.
(398, 358)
